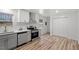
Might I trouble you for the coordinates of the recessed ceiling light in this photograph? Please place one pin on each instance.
(41, 11)
(57, 11)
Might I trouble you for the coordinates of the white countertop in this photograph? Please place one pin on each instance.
(20, 31)
(12, 32)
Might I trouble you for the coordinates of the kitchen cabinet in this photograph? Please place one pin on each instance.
(8, 41)
(20, 15)
(28, 36)
(12, 41)
(23, 16)
(37, 18)
(24, 37)
(15, 15)
(32, 18)
(3, 43)
(39, 32)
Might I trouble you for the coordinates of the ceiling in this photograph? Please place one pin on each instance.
(52, 12)
(49, 12)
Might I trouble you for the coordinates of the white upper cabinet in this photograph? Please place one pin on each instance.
(32, 18)
(23, 16)
(20, 15)
(37, 18)
(15, 15)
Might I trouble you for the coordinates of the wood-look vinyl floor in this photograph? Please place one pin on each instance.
(47, 42)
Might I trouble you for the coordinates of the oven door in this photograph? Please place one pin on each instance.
(34, 34)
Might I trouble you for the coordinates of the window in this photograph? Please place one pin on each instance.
(5, 16)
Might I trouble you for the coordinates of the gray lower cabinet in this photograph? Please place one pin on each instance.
(8, 41)
(29, 36)
(12, 41)
(3, 44)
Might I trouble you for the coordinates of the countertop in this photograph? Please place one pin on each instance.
(12, 32)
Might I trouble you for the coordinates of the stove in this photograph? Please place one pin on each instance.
(34, 32)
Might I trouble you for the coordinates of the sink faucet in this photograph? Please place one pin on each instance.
(20, 28)
(5, 28)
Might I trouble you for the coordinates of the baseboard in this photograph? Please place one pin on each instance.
(62, 36)
(67, 37)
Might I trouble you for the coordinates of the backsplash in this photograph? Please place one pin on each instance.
(23, 25)
(8, 27)
(17, 26)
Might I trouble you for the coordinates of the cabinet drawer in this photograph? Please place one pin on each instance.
(3, 36)
(12, 36)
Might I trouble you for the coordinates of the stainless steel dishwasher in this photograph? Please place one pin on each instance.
(23, 37)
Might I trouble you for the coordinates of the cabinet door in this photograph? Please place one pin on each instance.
(24, 16)
(37, 17)
(16, 13)
(3, 44)
(28, 36)
(12, 41)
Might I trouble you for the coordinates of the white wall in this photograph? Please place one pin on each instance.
(24, 16)
(78, 25)
(65, 26)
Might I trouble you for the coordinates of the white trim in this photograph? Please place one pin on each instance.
(78, 41)
(51, 29)
(18, 15)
